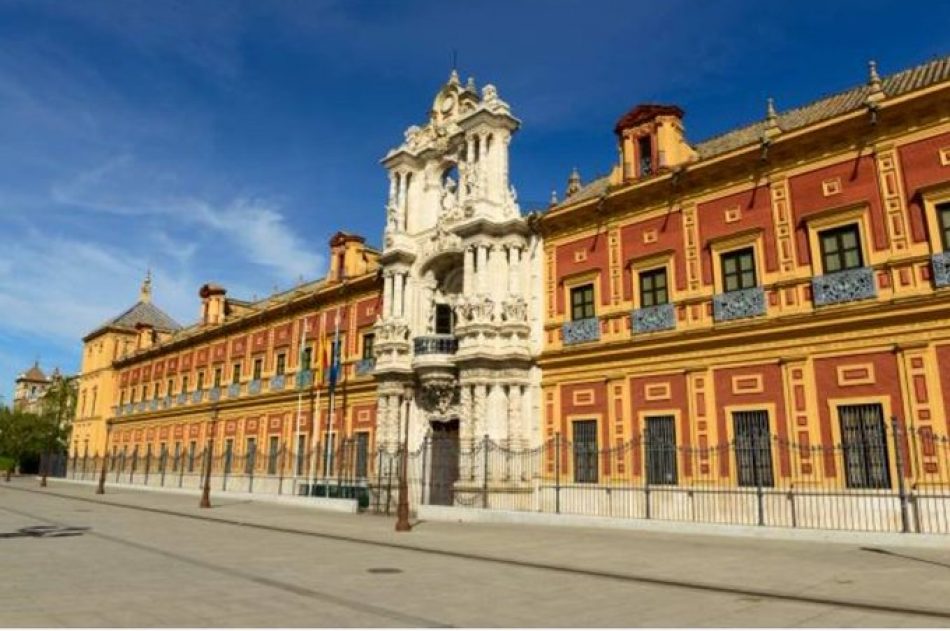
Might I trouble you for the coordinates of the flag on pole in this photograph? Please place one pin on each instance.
(335, 355)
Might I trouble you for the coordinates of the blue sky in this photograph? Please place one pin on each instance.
(228, 140)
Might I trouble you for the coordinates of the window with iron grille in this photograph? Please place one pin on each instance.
(585, 451)
(236, 373)
(653, 287)
(362, 454)
(840, 249)
(281, 364)
(228, 454)
(258, 365)
(661, 449)
(582, 302)
(273, 449)
(368, 341)
(864, 446)
(251, 455)
(301, 452)
(176, 457)
(738, 270)
(192, 447)
(753, 446)
(943, 215)
(443, 319)
(645, 149)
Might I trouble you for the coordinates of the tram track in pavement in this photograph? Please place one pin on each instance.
(688, 585)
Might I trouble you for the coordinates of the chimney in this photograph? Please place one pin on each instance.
(146, 336)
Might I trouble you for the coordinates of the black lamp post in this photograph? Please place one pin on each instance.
(206, 492)
(101, 489)
(402, 508)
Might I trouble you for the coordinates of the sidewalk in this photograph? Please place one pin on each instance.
(906, 578)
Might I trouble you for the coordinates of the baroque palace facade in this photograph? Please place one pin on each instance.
(779, 292)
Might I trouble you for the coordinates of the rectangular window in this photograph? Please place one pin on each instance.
(943, 216)
(258, 365)
(176, 457)
(864, 445)
(738, 270)
(201, 381)
(753, 445)
(122, 397)
(250, 456)
(840, 249)
(217, 377)
(306, 358)
(228, 454)
(170, 388)
(582, 302)
(184, 384)
(443, 319)
(362, 454)
(653, 287)
(162, 455)
(661, 449)
(585, 451)
(281, 364)
(645, 149)
(192, 447)
(145, 392)
(272, 452)
(236, 373)
(368, 341)
(156, 389)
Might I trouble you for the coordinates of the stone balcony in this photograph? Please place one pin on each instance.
(941, 266)
(652, 319)
(581, 331)
(846, 286)
(742, 303)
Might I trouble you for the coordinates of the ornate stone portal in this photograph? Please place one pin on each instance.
(460, 326)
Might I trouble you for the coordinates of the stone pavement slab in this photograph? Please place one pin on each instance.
(139, 567)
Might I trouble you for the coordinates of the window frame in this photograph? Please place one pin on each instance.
(652, 274)
(737, 255)
(585, 290)
(940, 208)
(840, 252)
(280, 364)
(586, 462)
(368, 349)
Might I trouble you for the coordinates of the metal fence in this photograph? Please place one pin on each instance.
(879, 478)
(886, 480)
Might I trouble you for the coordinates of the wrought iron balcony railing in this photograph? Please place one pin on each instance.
(214, 394)
(153, 405)
(140, 406)
(435, 345)
(304, 378)
(234, 390)
(254, 387)
(182, 398)
(365, 366)
(941, 265)
(579, 331)
(742, 303)
(656, 318)
(277, 382)
(197, 396)
(846, 286)
(167, 401)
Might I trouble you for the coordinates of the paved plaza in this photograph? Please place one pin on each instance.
(154, 559)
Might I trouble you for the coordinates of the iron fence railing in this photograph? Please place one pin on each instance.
(887, 480)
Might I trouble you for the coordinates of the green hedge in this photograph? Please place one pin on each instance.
(5, 463)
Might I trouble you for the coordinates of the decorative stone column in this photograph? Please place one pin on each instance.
(514, 270)
(399, 278)
(466, 432)
(515, 434)
(387, 294)
(482, 274)
(468, 271)
(479, 429)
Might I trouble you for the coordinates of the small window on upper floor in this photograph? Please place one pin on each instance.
(840, 249)
(943, 216)
(170, 389)
(145, 392)
(368, 341)
(217, 377)
(281, 364)
(582, 302)
(653, 288)
(645, 154)
(306, 358)
(738, 270)
(184, 384)
(443, 319)
(258, 366)
(201, 381)
(236, 373)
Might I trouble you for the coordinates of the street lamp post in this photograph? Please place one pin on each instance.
(101, 489)
(206, 492)
(402, 509)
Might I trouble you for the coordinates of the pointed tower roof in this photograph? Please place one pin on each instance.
(33, 374)
(142, 312)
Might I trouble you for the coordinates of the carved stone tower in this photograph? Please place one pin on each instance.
(461, 323)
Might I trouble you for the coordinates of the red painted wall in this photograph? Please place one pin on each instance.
(677, 400)
(920, 165)
(596, 248)
(669, 236)
(756, 208)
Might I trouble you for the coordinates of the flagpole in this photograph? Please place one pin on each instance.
(334, 374)
(313, 441)
(300, 368)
